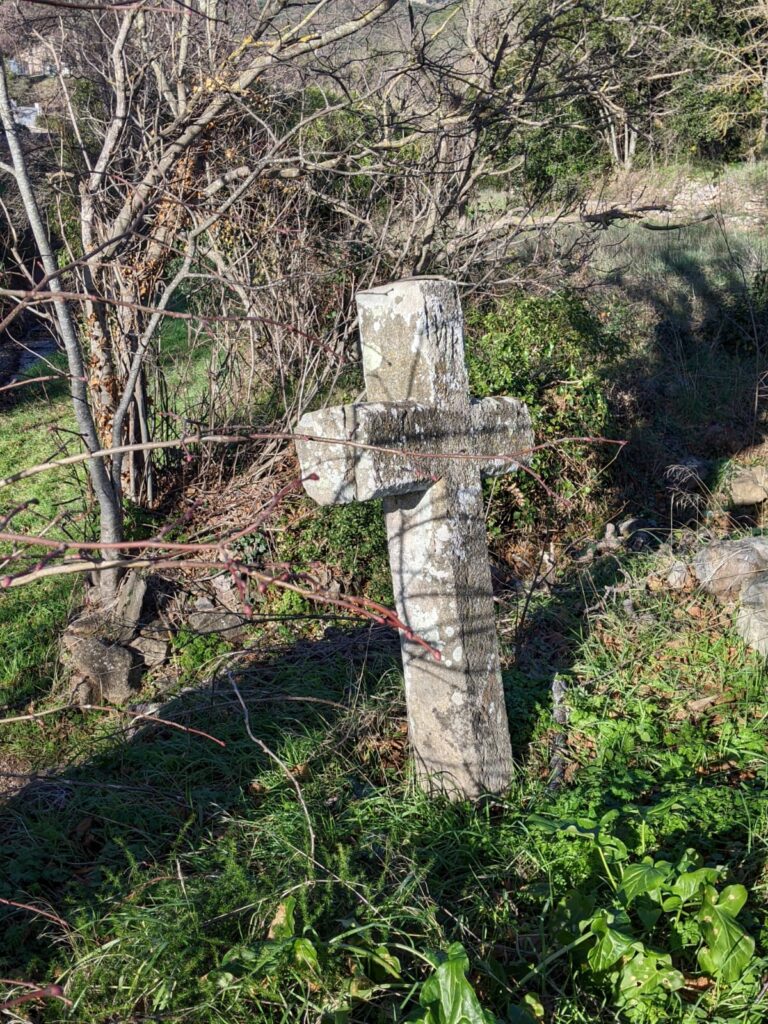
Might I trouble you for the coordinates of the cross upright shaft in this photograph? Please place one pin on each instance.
(395, 446)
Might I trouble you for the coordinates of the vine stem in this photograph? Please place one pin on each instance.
(608, 871)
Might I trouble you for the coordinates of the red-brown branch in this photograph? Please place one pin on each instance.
(48, 992)
(36, 910)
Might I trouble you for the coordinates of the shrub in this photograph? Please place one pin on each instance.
(351, 539)
(550, 352)
(195, 653)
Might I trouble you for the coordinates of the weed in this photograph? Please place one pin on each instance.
(196, 654)
(550, 352)
(182, 873)
(350, 538)
(662, 924)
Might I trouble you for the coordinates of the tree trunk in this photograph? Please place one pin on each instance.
(110, 511)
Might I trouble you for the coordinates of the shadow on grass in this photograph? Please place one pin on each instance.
(699, 390)
(136, 796)
(161, 852)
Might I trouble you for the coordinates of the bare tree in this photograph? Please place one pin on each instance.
(261, 163)
(160, 83)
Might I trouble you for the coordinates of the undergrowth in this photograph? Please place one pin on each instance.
(189, 889)
(555, 353)
(623, 876)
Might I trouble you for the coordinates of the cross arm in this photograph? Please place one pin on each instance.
(380, 449)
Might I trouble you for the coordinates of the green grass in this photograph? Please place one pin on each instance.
(186, 879)
(33, 429)
(30, 622)
(172, 860)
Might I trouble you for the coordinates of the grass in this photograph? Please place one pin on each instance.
(35, 425)
(172, 862)
(184, 878)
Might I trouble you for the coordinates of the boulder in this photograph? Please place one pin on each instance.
(689, 475)
(747, 485)
(153, 649)
(677, 575)
(106, 672)
(752, 618)
(207, 618)
(724, 567)
(635, 524)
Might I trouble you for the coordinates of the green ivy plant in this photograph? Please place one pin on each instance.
(372, 970)
(662, 925)
(551, 352)
(447, 996)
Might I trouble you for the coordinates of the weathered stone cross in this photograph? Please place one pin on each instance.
(394, 447)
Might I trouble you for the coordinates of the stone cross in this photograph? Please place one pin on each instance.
(422, 445)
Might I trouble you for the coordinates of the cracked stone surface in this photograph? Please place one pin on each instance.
(738, 569)
(724, 567)
(410, 445)
(752, 617)
(110, 672)
(419, 411)
(748, 485)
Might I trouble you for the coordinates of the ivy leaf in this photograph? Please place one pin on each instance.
(638, 879)
(645, 973)
(648, 911)
(528, 1012)
(614, 940)
(614, 850)
(387, 961)
(584, 828)
(689, 883)
(264, 958)
(729, 948)
(571, 915)
(689, 861)
(732, 899)
(448, 995)
(305, 954)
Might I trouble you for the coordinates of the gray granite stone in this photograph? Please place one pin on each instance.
(724, 567)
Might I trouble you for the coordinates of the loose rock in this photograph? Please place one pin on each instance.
(207, 618)
(634, 525)
(724, 567)
(677, 575)
(689, 475)
(752, 618)
(747, 485)
(106, 672)
(152, 649)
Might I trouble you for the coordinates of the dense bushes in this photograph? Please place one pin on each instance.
(551, 352)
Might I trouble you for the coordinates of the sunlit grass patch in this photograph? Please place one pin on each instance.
(36, 426)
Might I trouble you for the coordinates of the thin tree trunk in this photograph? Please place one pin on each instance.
(110, 512)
